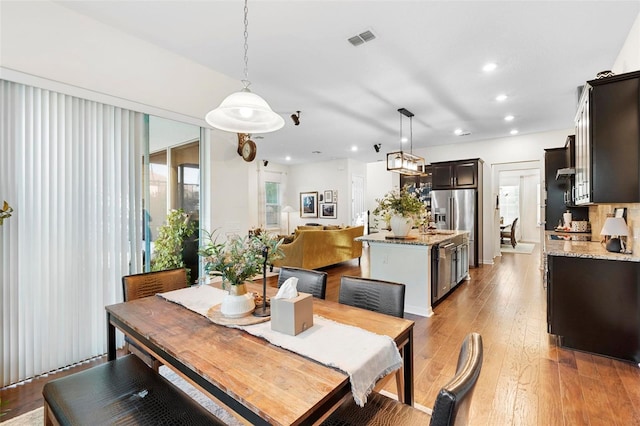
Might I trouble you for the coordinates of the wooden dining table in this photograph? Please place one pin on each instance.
(261, 382)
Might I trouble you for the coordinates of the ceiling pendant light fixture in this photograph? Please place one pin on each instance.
(405, 163)
(244, 111)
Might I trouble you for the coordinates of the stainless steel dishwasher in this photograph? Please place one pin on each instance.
(446, 270)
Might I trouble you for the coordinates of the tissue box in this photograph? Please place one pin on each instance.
(292, 316)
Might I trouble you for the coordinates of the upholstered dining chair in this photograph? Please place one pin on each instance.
(309, 281)
(509, 234)
(451, 407)
(375, 295)
(148, 284)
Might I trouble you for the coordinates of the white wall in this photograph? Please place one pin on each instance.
(50, 41)
(629, 57)
(327, 175)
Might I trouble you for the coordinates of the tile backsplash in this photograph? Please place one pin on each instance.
(598, 214)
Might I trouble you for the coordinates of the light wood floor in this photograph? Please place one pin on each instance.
(526, 379)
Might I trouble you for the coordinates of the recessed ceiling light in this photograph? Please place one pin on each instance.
(354, 148)
(457, 132)
(491, 66)
(287, 158)
(509, 118)
(404, 139)
(514, 132)
(501, 97)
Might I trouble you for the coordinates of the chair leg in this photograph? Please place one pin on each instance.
(400, 383)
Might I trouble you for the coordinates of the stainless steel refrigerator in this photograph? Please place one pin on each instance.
(457, 209)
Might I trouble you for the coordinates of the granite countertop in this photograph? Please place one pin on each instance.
(585, 249)
(416, 239)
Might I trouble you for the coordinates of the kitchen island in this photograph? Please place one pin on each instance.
(407, 261)
(593, 298)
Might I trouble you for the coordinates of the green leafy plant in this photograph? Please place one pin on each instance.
(238, 258)
(3, 411)
(167, 253)
(5, 212)
(400, 202)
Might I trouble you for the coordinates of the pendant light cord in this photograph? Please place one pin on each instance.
(246, 81)
(411, 134)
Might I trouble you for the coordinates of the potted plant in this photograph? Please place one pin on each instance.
(402, 207)
(168, 247)
(237, 260)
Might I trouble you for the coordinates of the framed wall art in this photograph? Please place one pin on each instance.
(328, 196)
(309, 204)
(329, 211)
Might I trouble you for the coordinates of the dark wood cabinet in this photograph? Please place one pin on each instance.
(456, 174)
(559, 189)
(608, 141)
(594, 305)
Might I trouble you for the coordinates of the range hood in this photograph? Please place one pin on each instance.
(565, 173)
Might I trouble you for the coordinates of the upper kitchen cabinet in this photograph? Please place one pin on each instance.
(456, 174)
(608, 141)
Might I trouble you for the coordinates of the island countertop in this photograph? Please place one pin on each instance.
(415, 238)
(585, 249)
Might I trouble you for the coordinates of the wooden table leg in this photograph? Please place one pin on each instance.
(111, 339)
(408, 370)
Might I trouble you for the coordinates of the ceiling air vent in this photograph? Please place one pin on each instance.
(361, 38)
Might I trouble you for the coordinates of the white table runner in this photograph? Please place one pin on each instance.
(363, 355)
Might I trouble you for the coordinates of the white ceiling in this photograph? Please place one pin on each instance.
(427, 57)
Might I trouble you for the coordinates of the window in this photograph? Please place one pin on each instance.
(509, 203)
(272, 204)
(189, 188)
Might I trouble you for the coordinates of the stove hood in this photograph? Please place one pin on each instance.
(565, 173)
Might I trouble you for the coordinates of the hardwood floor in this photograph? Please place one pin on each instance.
(526, 378)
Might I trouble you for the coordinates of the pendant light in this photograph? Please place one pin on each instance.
(405, 163)
(244, 111)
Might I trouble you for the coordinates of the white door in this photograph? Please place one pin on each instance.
(358, 210)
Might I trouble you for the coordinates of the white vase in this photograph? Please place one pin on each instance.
(401, 225)
(238, 303)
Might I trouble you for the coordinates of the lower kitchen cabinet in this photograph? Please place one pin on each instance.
(594, 305)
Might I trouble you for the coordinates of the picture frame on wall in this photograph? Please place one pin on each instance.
(620, 212)
(328, 196)
(309, 204)
(329, 211)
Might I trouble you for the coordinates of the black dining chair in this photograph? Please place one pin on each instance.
(451, 407)
(375, 295)
(148, 284)
(309, 281)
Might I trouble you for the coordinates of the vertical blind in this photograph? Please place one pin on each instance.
(72, 171)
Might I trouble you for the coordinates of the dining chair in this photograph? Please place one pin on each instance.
(509, 234)
(309, 281)
(375, 295)
(451, 407)
(148, 284)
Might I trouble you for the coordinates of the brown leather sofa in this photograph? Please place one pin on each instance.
(315, 248)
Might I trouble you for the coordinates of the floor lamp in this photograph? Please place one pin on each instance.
(288, 210)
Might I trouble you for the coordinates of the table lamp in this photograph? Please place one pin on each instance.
(287, 210)
(614, 227)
